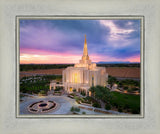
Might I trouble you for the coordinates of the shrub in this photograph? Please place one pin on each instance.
(135, 111)
(120, 84)
(135, 89)
(125, 88)
(83, 93)
(129, 110)
(74, 90)
(72, 94)
(129, 90)
(126, 106)
(114, 104)
(83, 112)
(120, 109)
(72, 109)
(58, 88)
(78, 99)
(42, 92)
(96, 104)
(87, 100)
(82, 100)
(107, 106)
(76, 109)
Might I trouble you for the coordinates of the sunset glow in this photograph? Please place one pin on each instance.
(61, 41)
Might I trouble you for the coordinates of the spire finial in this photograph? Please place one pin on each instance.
(85, 51)
(85, 40)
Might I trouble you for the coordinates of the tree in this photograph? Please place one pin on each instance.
(120, 109)
(111, 80)
(107, 106)
(101, 93)
(83, 93)
(125, 88)
(42, 92)
(96, 104)
(92, 89)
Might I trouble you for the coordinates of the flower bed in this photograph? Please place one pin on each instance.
(86, 108)
(101, 111)
(42, 106)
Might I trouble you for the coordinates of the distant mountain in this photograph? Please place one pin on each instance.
(116, 62)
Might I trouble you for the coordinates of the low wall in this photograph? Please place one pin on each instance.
(87, 108)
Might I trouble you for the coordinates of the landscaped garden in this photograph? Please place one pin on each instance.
(128, 85)
(116, 101)
(37, 84)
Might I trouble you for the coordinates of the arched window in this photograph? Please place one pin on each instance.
(92, 80)
(75, 78)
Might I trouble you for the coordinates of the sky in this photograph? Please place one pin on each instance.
(62, 41)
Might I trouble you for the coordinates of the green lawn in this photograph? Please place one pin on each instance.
(126, 102)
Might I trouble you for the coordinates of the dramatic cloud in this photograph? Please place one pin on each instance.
(61, 41)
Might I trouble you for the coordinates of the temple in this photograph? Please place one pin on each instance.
(83, 75)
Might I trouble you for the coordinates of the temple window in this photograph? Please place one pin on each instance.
(75, 78)
(92, 80)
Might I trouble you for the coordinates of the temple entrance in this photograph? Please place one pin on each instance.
(70, 89)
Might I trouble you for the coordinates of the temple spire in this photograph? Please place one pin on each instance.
(85, 50)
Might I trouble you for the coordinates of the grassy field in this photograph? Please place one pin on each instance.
(131, 103)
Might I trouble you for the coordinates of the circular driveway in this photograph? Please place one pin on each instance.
(64, 104)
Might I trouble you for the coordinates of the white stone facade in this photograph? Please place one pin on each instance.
(81, 78)
(84, 75)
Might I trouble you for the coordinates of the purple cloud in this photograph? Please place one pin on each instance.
(114, 38)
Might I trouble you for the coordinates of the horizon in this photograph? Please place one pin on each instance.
(61, 41)
(73, 63)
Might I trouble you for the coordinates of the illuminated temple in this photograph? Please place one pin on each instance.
(83, 75)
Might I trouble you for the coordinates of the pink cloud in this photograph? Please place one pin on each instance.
(42, 57)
